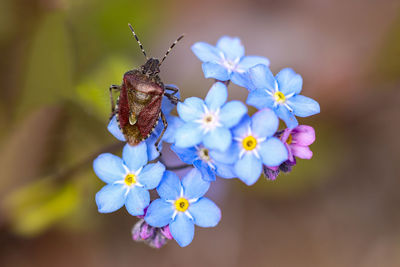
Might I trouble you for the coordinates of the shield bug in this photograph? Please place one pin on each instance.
(138, 107)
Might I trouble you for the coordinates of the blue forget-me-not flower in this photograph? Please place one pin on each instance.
(226, 61)
(280, 93)
(181, 206)
(208, 121)
(128, 180)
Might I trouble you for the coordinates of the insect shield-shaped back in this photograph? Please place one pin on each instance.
(139, 105)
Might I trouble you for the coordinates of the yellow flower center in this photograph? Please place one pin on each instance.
(289, 139)
(279, 97)
(249, 143)
(208, 119)
(130, 179)
(181, 204)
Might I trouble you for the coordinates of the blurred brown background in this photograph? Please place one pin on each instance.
(58, 58)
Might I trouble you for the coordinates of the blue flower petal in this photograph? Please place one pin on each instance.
(232, 47)
(273, 152)
(152, 152)
(187, 155)
(217, 96)
(205, 213)
(250, 61)
(264, 123)
(135, 157)
(303, 106)
(159, 213)
(207, 174)
(220, 138)
(109, 168)
(261, 78)
(182, 229)
(173, 124)
(188, 135)
(191, 109)
(260, 99)
(287, 116)
(215, 71)
(151, 175)
(248, 168)
(110, 198)
(166, 105)
(193, 185)
(170, 186)
(137, 200)
(224, 170)
(231, 113)
(242, 128)
(114, 129)
(289, 81)
(206, 52)
(241, 79)
(228, 156)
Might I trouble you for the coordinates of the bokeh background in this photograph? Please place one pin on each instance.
(58, 58)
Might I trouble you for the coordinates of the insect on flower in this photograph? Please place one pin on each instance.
(138, 107)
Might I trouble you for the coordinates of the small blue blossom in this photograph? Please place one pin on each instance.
(280, 93)
(208, 121)
(181, 206)
(128, 180)
(255, 145)
(205, 160)
(226, 61)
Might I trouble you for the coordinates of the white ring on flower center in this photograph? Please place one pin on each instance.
(122, 181)
(254, 151)
(231, 66)
(209, 120)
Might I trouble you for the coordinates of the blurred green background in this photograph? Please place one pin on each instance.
(58, 58)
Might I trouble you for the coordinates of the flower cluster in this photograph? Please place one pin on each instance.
(216, 137)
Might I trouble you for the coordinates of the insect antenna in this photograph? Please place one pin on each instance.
(137, 39)
(170, 48)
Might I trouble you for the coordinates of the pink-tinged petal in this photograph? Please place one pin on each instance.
(285, 134)
(290, 153)
(303, 135)
(302, 152)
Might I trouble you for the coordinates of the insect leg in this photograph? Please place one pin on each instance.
(116, 88)
(171, 96)
(164, 120)
(172, 88)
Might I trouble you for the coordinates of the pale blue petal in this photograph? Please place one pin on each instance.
(260, 99)
(231, 113)
(109, 168)
(228, 156)
(170, 186)
(264, 123)
(241, 79)
(173, 124)
(248, 168)
(303, 106)
(273, 152)
(232, 47)
(224, 170)
(220, 138)
(193, 185)
(241, 129)
(289, 81)
(182, 229)
(216, 71)
(110, 198)
(187, 155)
(262, 78)
(151, 175)
(205, 213)
(206, 52)
(135, 157)
(188, 135)
(114, 129)
(217, 96)
(137, 200)
(250, 61)
(191, 109)
(152, 152)
(207, 173)
(159, 213)
(287, 116)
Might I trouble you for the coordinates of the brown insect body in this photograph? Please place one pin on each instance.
(139, 103)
